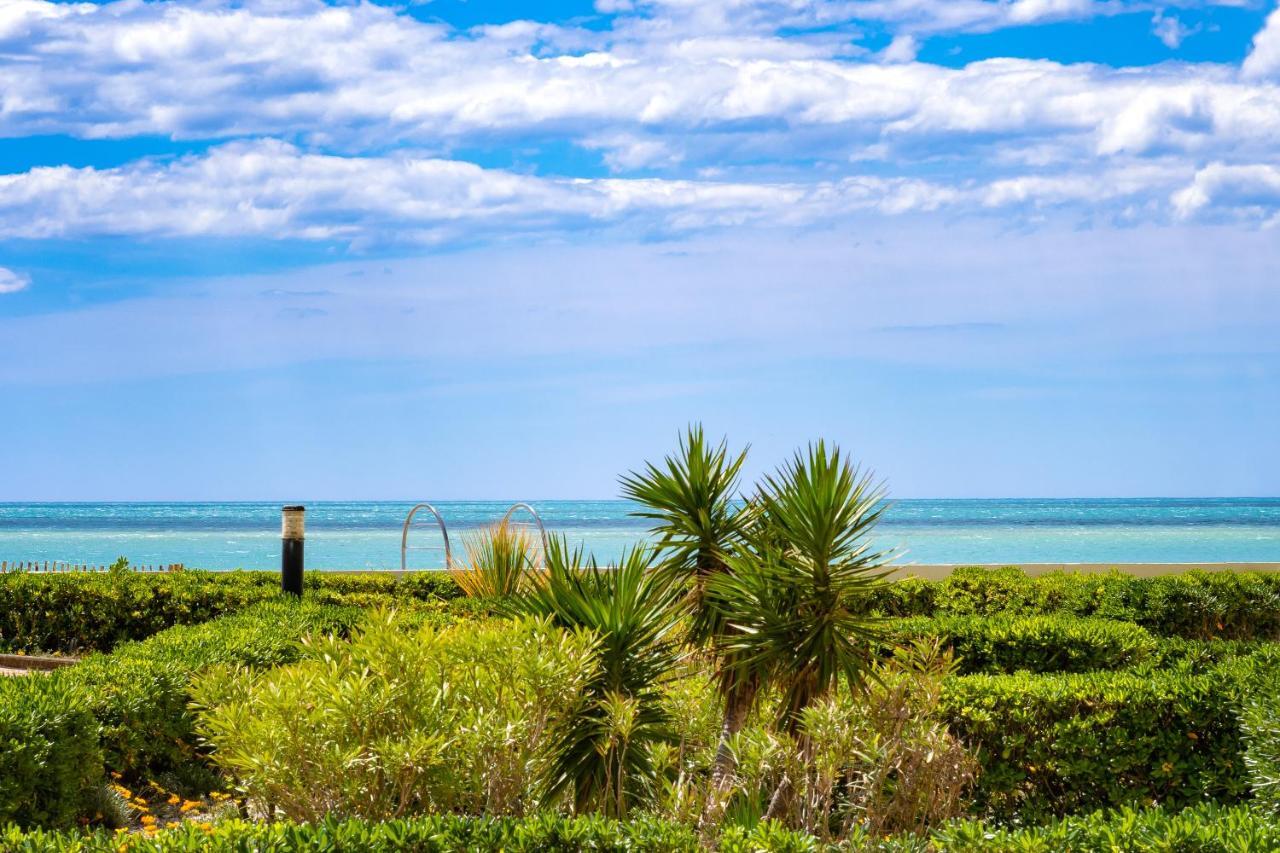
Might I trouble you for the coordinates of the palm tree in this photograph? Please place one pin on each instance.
(691, 498)
(602, 750)
(795, 594)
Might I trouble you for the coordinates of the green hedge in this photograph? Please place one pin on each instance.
(1203, 829)
(97, 611)
(1200, 605)
(128, 711)
(1054, 744)
(1053, 643)
(48, 751)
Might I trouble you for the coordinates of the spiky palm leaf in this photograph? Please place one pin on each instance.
(796, 593)
(602, 755)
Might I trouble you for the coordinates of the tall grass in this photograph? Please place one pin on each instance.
(498, 561)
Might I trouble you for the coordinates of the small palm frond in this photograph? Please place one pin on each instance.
(796, 593)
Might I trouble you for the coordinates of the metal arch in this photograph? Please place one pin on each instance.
(404, 537)
(537, 519)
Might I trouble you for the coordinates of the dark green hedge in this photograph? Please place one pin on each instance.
(1203, 829)
(96, 611)
(1050, 745)
(1198, 605)
(128, 711)
(1053, 643)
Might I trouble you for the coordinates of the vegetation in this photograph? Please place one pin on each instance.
(752, 682)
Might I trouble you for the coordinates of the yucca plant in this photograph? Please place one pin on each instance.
(692, 500)
(499, 559)
(795, 594)
(602, 754)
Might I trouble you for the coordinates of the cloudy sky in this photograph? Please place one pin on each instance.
(296, 249)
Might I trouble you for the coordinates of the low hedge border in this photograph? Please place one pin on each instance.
(1050, 745)
(1197, 605)
(1203, 829)
(1050, 643)
(97, 611)
(127, 711)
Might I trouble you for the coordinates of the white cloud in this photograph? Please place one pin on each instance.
(1250, 192)
(363, 75)
(1170, 30)
(1264, 58)
(273, 189)
(903, 48)
(12, 282)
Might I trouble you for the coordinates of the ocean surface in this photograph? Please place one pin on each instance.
(367, 534)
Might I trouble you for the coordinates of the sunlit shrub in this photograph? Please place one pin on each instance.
(498, 561)
(396, 721)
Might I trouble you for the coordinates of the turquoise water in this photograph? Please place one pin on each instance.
(367, 535)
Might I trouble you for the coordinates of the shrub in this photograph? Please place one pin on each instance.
(1198, 605)
(48, 751)
(139, 693)
(396, 721)
(1056, 643)
(129, 710)
(1053, 744)
(96, 611)
(498, 561)
(1205, 828)
(428, 834)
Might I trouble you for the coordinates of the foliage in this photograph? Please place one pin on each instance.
(499, 559)
(1054, 744)
(603, 747)
(796, 591)
(48, 751)
(1196, 605)
(95, 611)
(1052, 643)
(395, 721)
(128, 711)
(1260, 720)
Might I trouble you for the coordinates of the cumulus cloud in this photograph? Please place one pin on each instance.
(356, 76)
(1264, 58)
(1250, 192)
(274, 189)
(12, 282)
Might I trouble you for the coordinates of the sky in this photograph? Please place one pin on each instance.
(292, 249)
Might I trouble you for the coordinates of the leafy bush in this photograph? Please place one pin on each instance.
(128, 711)
(139, 693)
(1205, 828)
(395, 721)
(499, 559)
(1198, 605)
(96, 611)
(1053, 744)
(48, 751)
(1056, 643)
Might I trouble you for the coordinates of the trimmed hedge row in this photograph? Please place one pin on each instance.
(1203, 829)
(96, 611)
(1050, 745)
(1053, 643)
(1200, 605)
(127, 711)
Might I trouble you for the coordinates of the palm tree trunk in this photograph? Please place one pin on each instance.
(739, 697)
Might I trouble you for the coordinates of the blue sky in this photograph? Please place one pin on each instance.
(295, 249)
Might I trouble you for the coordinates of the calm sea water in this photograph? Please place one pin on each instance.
(367, 535)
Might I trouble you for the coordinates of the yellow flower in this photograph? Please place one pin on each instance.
(189, 805)
(174, 799)
(148, 820)
(1167, 767)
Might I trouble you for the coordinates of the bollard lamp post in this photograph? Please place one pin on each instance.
(292, 535)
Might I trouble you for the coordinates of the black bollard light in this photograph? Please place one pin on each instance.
(292, 535)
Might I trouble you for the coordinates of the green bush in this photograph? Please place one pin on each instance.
(96, 611)
(429, 834)
(1198, 605)
(1206, 828)
(48, 751)
(394, 722)
(128, 711)
(1054, 744)
(1055, 643)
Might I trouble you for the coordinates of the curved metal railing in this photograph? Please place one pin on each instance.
(404, 537)
(541, 558)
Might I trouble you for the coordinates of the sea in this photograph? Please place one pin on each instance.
(368, 535)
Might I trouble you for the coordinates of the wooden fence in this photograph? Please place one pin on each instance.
(58, 566)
